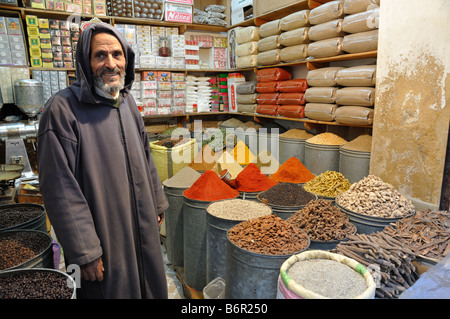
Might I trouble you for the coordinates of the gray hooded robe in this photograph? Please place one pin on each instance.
(99, 183)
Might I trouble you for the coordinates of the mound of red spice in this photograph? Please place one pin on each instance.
(250, 179)
(209, 187)
(292, 171)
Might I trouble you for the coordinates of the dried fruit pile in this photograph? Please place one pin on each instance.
(268, 235)
(322, 221)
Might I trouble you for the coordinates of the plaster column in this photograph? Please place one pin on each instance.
(412, 111)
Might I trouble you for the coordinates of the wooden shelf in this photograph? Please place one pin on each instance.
(254, 115)
(141, 21)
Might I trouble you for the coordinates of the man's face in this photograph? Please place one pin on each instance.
(107, 62)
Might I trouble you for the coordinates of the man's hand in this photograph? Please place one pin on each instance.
(93, 271)
(160, 219)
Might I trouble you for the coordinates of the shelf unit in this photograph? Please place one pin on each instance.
(310, 64)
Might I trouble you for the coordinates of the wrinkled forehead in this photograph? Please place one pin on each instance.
(104, 39)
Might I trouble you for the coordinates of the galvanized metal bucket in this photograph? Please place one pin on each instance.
(354, 165)
(291, 147)
(321, 158)
(250, 275)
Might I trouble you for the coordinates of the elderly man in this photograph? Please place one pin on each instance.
(99, 183)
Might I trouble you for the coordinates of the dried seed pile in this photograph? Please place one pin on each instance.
(388, 259)
(326, 139)
(371, 196)
(329, 184)
(328, 278)
(18, 247)
(297, 134)
(10, 217)
(35, 285)
(268, 235)
(238, 209)
(362, 143)
(427, 233)
(322, 221)
(286, 194)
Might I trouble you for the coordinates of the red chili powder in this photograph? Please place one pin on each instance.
(292, 171)
(209, 187)
(250, 179)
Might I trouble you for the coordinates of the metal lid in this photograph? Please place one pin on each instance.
(28, 82)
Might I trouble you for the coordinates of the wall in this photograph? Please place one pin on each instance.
(412, 111)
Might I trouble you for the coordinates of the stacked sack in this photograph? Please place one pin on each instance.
(246, 96)
(269, 47)
(294, 36)
(279, 94)
(247, 47)
(344, 95)
(340, 27)
(361, 25)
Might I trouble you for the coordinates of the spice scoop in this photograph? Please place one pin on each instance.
(226, 177)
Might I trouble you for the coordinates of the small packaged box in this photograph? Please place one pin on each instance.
(43, 23)
(164, 76)
(149, 76)
(35, 52)
(31, 20)
(38, 4)
(13, 26)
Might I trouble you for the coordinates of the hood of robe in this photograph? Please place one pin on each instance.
(83, 87)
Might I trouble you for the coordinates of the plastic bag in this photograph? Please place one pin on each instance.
(267, 109)
(215, 8)
(355, 6)
(361, 22)
(325, 48)
(269, 43)
(267, 98)
(247, 61)
(295, 20)
(247, 48)
(323, 76)
(360, 42)
(294, 111)
(330, 29)
(361, 75)
(360, 96)
(321, 94)
(294, 37)
(359, 115)
(270, 28)
(294, 53)
(293, 86)
(292, 98)
(267, 87)
(273, 74)
(269, 57)
(246, 98)
(246, 108)
(326, 12)
(320, 111)
(248, 87)
(247, 34)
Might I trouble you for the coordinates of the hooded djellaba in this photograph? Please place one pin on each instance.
(99, 183)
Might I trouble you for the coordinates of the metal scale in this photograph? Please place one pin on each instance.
(29, 98)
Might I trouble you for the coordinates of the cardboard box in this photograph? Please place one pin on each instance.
(178, 13)
(265, 6)
(238, 7)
